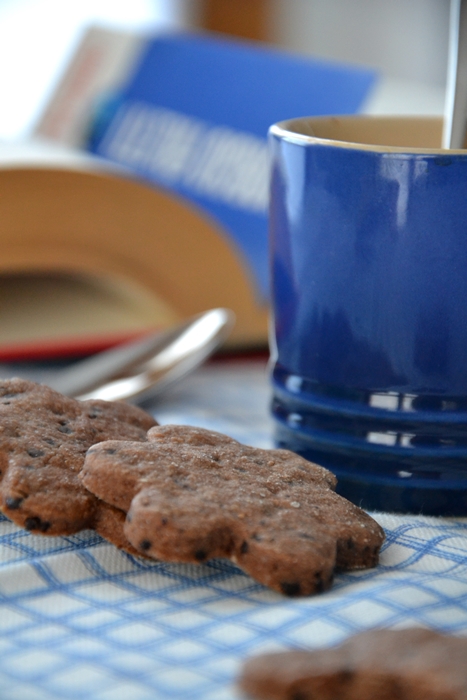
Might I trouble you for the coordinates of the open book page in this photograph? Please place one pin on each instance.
(92, 256)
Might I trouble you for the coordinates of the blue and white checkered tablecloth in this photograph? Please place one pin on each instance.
(81, 619)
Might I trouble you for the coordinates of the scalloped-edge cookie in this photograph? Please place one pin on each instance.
(44, 437)
(193, 494)
(408, 664)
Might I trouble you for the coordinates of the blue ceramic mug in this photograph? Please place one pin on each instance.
(368, 226)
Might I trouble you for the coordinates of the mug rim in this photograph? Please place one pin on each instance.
(285, 131)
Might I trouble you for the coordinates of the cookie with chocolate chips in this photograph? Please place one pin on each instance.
(193, 494)
(419, 664)
(44, 437)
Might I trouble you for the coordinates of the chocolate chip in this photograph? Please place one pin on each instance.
(35, 523)
(290, 588)
(244, 547)
(110, 451)
(32, 523)
(298, 695)
(200, 555)
(33, 452)
(9, 395)
(144, 545)
(319, 583)
(13, 503)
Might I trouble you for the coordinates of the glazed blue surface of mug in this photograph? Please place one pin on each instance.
(368, 229)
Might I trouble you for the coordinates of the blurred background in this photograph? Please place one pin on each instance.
(405, 40)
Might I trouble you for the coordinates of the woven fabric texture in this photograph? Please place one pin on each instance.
(81, 619)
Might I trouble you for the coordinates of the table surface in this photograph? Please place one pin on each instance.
(81, 619)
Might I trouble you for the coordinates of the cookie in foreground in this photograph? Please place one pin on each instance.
(193, 494)
(44, 437)
(410, 664)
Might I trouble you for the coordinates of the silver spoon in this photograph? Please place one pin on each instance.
(150, 365)
(455, 117)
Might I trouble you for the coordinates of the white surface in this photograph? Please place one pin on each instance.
(406, 42)
(402, 39)
(38, 152)
(405, 97)
(38, 37)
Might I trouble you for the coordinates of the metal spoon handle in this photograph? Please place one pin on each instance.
(128, 370)
(455, 118)
(179, 356)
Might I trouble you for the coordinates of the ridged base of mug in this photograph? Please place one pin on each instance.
(394, 452)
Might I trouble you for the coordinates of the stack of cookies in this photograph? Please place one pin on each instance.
(184, 494)
(175, 493)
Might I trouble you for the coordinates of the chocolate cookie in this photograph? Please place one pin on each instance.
(411, 664)
(44, 437)
(192, 494)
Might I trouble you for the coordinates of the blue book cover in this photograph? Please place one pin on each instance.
(193, 119)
